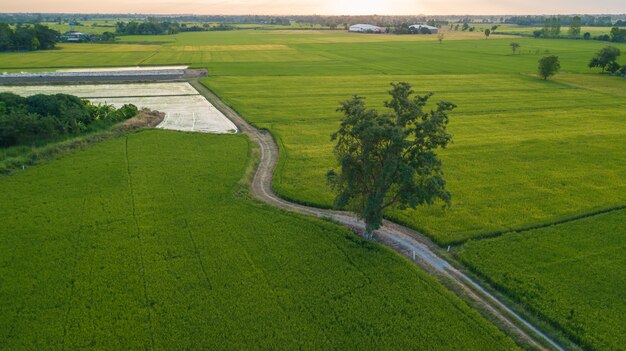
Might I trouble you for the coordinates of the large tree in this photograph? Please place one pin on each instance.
(47, 37)
(390, 159)
(7, 39)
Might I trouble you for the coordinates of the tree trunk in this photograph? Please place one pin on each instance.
(369, 232)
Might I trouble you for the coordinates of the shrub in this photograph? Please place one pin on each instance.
(41, 117)
(613, 67)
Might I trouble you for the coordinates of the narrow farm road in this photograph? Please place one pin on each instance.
(402, 239)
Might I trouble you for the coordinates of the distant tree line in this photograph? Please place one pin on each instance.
(585, 21)
(153, 26)
(552, 29)
(41, 117)
(27, 37)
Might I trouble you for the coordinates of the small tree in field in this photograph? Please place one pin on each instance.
(487, 33)
(389, 159)
(514, 47)
(604, 57)
(549, 66)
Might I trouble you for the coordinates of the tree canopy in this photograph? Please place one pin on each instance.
(41, 117)
(549, 66)
(605, 57)
(37, 37)
(389, 159)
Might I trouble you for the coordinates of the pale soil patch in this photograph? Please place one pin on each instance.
(123, 69)
(106, 90)
(185, 109)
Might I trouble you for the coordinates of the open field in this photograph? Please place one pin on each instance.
(184, 108)
(526, 152)
(513, 163)
(143, 242)
(573, 274)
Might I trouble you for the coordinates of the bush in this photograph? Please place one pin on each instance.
(41, 117)
(613, 67)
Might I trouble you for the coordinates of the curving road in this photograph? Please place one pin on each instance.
(402, 239)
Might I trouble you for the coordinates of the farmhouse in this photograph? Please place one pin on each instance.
(421, 28)
(366, 28)
(75, 37)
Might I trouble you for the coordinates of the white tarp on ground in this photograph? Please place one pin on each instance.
(119, 69)
(185, 109)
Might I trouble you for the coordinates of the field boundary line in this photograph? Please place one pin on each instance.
(140, 239)
(497, 234)
(399, 238)
(149, 57)
(73, 274)
(198, 256)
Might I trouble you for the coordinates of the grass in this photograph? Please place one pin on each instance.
(570, 274)
(142, 242)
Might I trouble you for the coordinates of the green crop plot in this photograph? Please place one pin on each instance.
(143, 243)
(513, 163)
(571, 274)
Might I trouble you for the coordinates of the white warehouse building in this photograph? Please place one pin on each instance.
(418, 27)
(366, 28)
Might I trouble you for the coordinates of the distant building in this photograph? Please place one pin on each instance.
(366, 28)
(421, 28)
(75, 37)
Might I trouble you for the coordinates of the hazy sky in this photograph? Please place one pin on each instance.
(325, 7)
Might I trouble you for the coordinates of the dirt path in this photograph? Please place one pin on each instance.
(402, 239)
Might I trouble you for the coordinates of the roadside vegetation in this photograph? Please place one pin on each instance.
(41, 126)
(166, 254)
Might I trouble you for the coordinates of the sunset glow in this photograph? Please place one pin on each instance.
(322, 7)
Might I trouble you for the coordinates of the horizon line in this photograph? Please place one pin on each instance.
(302, 15)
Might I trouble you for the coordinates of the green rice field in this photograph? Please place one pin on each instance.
(142, 242)
(571, 273)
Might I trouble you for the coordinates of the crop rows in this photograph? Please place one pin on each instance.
(570, 274)
(220, 272)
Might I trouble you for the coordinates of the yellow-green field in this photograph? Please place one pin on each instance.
(143, 242)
